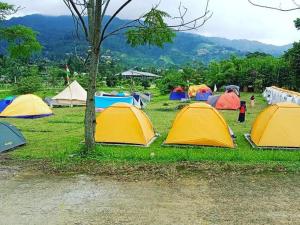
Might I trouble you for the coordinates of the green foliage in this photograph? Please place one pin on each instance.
(257, 69)
(28, 85)
(55, 75)
(112, 81)
(292, 57)
(6, 10)
(297, 23)
(171, 79)
(145, 83)
(22, 42)
(154, 30)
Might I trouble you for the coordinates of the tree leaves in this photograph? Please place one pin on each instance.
(22, 42)
(152, 31)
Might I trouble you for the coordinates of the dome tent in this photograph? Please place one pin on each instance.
(72, 95)
(123, 123)
(196, 88)
(27, 106)
(10, 137)
(200, 124)
(278, 126)
(6, 102)
(229, 101)
(178, 94)
(203, 94)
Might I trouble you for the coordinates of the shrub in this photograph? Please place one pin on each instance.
(170, 80)
(28, 85)
(146, 84)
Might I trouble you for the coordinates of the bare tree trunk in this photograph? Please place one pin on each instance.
(90, 116)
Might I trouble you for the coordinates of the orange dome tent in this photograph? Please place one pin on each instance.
(228, 101)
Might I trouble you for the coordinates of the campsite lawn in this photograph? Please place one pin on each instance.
(59, 139)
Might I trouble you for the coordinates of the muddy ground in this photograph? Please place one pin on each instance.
(28, 197)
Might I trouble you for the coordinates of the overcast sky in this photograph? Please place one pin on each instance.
(233, 19)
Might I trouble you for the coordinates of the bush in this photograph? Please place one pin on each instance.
(170, 80)
(28, 85)
(146, 84)
(111, 81)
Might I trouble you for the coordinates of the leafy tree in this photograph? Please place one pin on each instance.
(149, 29)
(171, 79)
(297, 23)
(22, 42)
(293, 58)
(6, 10)
(29, 85)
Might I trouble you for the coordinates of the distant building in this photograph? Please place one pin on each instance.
(138, 74)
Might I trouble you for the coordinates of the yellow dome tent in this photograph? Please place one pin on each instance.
(123, 123)
(277, 126)
(200, 124)
(195, 88)
(27, 106)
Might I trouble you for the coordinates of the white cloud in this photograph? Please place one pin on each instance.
(234, 19)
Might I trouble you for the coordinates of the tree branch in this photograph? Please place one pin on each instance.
(72, 5)
(297, 7)
(112, 18)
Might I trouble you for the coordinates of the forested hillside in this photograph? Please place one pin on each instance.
(58, 37)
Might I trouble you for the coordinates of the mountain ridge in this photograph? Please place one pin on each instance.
(57, 35)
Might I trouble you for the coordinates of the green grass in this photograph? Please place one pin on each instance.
(60, 136)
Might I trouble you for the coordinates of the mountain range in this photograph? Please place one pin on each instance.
(58, 37)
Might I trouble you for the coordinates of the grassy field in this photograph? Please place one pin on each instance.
(59, 139)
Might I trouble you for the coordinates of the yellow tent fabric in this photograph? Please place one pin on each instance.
(194, 89)
(277, 126)
(27, 106)
(200, 124)
(124, 123)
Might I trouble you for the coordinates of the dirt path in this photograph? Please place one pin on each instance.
(27, 198)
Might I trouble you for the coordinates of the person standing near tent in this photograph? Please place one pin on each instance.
(243, 109)
(252, 101)
(67, 77)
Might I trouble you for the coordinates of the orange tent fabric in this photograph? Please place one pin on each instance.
(178, 89)
(228, 101)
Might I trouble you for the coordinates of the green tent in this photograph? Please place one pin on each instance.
(10, 137)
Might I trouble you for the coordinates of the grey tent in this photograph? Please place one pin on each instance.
(10, 137)
(234, 88)
(212, 100)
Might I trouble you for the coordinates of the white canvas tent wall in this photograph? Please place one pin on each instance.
(275, 95)
(74, 94)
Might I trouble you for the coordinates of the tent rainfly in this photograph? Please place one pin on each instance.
(72, 95)
(6, 102)
(28, 107)
(196, 88)
(10, 137)
(200, 124)
(123, 123)
(226, 101)
(277, 126)
(178, 94)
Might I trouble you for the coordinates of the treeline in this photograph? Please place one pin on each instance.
(255, 71)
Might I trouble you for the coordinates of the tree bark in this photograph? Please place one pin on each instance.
(90, 115)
